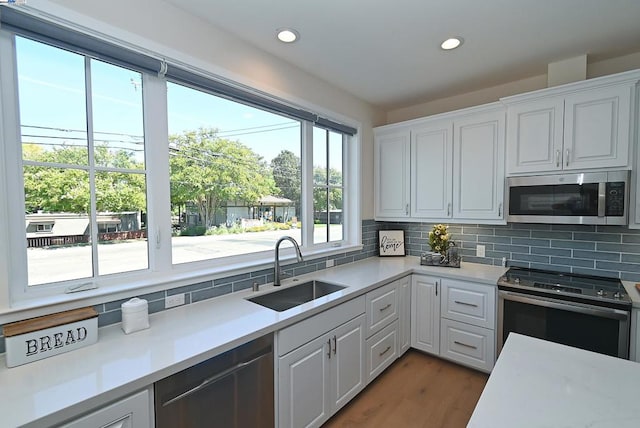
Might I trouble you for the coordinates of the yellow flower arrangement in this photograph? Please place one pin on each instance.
(439, 239)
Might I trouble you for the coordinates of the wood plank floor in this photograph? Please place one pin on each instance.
(418, 390)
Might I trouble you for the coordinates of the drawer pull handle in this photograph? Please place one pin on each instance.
(466, 304)
(385, 351)
(384, 308)
(465, 345)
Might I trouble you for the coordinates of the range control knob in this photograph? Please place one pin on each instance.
(516, 280)
(617, 295)
(601, 292)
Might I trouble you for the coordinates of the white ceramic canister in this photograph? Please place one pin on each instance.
(135, 315)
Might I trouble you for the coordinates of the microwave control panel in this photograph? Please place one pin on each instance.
(614, 199)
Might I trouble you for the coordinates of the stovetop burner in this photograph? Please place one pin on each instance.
(563, 284)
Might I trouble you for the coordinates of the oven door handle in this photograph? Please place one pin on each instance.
(616, 314)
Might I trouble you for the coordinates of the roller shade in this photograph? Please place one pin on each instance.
(24, 24)
(51, 33)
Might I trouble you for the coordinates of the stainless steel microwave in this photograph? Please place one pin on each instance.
(572, 198)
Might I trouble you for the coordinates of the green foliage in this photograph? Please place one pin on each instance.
(287, 176)
(208, 171)
(194, 231)
(54, 189)
(323, 196)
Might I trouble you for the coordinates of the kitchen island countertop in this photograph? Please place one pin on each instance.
(536, 383)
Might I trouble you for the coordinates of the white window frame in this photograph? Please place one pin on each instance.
(15, 295)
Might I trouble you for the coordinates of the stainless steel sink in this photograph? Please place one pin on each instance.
(290, 297)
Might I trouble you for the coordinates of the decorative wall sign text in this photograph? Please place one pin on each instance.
(391, 243)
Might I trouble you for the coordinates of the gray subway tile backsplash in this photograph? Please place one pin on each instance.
(596, 250)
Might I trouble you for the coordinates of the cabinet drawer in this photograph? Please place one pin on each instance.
(289, 338)
(131, 412)
(468, 302)
(382, 307)
(467, 344)
(382, 350)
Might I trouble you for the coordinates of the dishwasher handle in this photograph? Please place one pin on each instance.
(213, 379)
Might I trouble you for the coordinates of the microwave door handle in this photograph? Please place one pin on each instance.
(602, 187)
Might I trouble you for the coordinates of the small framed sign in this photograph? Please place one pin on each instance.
(391, 243)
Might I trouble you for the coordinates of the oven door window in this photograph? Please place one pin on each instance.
(554, 200)
(579, 330)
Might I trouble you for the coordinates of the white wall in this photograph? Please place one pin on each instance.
(168, 30)
(487, 95)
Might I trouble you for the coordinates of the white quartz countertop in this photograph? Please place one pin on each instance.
(52, 390)
(538, 384)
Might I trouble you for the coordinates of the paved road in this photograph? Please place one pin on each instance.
(59, 264)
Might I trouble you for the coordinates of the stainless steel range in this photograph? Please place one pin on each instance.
(588, 312)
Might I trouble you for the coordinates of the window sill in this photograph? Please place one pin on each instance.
(153, 282)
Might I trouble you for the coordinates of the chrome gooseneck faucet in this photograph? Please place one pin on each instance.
(276, 278)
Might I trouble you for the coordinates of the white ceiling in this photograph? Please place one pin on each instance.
(387, 52)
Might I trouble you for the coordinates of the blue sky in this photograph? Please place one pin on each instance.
(52, 99)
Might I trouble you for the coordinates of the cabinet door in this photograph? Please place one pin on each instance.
(597, 128)
(348, 362)
(391, 174)
(425, 314)
(431, 162)
(478, 169)
(404, 314)
(131, 412)
(534, 135)
(303, 385)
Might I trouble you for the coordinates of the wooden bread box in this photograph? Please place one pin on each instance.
(42, 337)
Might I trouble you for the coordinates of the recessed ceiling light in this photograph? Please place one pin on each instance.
(452, 43)
(287, 35)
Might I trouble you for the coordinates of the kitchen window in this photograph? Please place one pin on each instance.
(82, 158)
(145, 176)
(235, 176)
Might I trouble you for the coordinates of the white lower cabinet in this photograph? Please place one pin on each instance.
(382, 350)
(425, 314)
(130, 412)
(319, 377)
(455, 320)
(467, 344)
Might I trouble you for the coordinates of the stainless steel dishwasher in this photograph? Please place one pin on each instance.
(234, 389)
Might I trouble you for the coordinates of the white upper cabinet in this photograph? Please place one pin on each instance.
(392, 174)
(597, 128)
(451, 166)
(534, 135)
(582, 125)
(431, 173)
(478, 165)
